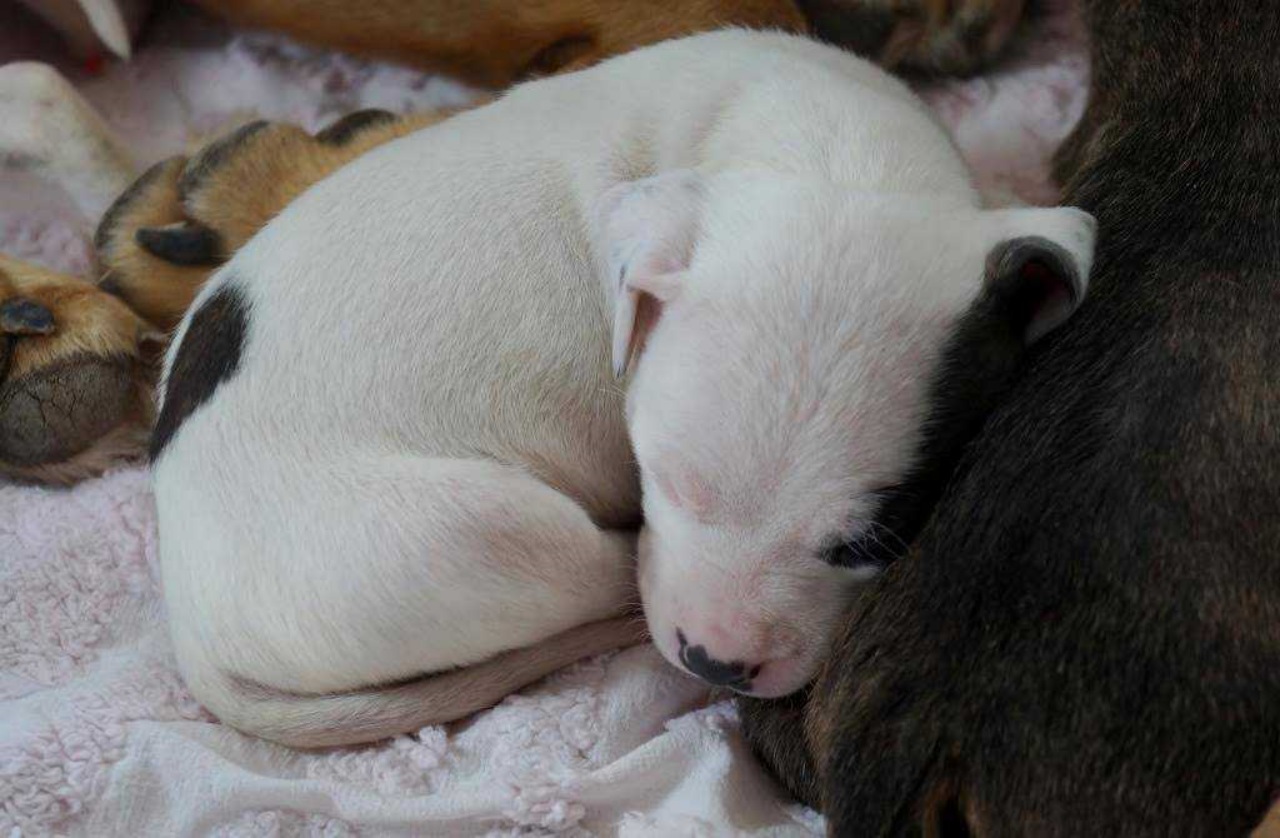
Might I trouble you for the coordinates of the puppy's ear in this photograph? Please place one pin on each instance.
(1038, 270)
(647, 231)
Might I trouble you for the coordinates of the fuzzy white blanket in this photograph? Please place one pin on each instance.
(99, 737)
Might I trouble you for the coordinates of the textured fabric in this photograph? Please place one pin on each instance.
(99, 737)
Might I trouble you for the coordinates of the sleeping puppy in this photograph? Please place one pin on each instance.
(1086, 639)
(395, 473)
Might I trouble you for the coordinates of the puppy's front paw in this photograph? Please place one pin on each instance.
(156, 287)
(76, 374)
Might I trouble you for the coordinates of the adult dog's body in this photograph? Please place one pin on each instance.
(1086, 640)
(391, 443)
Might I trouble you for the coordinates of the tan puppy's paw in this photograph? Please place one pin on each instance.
(158, 289)
(949, 37)
(77, 369)
(184, 217)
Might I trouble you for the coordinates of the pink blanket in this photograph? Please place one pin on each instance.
(98, 735)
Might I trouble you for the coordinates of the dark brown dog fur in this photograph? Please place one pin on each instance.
(1085, 640)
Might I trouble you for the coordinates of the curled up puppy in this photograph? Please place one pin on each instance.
(395, 472)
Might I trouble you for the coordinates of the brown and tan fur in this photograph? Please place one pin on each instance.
(957, 37)
(497, 42)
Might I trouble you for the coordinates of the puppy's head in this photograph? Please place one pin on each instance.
(805, 363)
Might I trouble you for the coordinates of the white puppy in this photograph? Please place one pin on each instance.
(392, 443)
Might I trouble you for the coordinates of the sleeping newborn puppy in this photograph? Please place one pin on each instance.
(397, 477)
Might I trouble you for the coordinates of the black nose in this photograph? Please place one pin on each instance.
(732, 674)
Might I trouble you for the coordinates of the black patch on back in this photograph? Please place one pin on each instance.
(343, 130)
(212, 156)
(121, 204)
(208, 355)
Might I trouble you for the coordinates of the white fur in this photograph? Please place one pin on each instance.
(48, 128)
(424, 458)
(90, 25)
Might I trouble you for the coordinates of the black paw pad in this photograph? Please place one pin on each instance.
(182, 243)
(21, 316)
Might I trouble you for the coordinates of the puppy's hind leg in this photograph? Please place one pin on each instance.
(438, 587)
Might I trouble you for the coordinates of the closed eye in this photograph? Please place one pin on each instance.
(875, 547)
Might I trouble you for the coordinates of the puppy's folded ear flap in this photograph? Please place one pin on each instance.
(646, 233)
(1038, 271)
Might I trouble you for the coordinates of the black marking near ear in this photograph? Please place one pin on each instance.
(978, 365)
(121, 204)
(182, 243)
(208, 355)
(20, 316)
(212, 156)
(345, 129)
(1035, 282)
